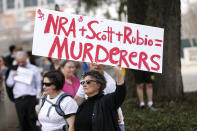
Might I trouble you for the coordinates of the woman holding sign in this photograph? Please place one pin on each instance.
(99, 112)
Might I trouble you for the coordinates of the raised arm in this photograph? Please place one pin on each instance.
(119, 75)
(115, 99)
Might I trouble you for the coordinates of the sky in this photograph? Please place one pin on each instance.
(184, 5)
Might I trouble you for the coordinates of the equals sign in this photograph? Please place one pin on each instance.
(157, 44)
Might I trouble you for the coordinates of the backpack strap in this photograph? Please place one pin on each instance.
(43, 100)
(58, 108)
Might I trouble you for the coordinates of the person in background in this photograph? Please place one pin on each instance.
(146, 79)
(99, 111)
(57, 8)
(53, 82)
(110, 88)
(10, 58)
(3, 67)
(72, 83)
(45, 64)
(3, 70)
(55, 65)
(31, 58)
(26, 95)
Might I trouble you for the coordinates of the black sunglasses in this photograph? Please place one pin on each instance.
(87, 82)
(47, 84)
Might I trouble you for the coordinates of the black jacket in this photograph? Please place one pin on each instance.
(105, 116)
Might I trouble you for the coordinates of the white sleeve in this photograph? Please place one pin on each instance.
(10, 80)
(69, 106)
(110, 85)
(38, 78)
(110, 88)
(80, 92)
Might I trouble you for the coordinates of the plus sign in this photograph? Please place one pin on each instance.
(110, 33)
(82, 30)
(119, 35)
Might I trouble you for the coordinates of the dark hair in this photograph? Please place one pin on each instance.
(63, 63)
(97, 76)
(12, 48)
(4, 60)
(57, 78)
(57, 8)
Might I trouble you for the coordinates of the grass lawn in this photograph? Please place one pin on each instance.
(167, 116)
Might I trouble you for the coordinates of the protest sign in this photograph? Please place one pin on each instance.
(88, 39)
(24, 75)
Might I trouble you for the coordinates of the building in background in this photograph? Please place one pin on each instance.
(17, 20)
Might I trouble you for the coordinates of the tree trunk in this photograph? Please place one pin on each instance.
(165, 14)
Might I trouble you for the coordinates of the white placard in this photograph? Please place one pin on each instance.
(24, 75)
(87, 39)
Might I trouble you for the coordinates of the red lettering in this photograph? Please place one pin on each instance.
(150, 42)
(97, 54)
(60, 48)
(139, 39)
(157, 64)
(97, 36)
(72, 50)
(113, 51)
(123, 53)
(87, 48)
(133, 55)
(71, 28)
(133, 39)
(50, 21)
(63, 20)
(127, 34)
(142, 59)
(92, 30)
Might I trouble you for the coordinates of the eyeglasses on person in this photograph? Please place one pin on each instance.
(47, 84)
(87, 82)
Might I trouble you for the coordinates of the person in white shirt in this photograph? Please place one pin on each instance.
(110, 88)
(26, 95)
(49, 117)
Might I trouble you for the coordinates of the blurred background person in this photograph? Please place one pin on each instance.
(3, 70)
(45, 64)
(143, 78)
(26, 95)
(72, 83)
(3, 66)
(55, 64)
(31, 58)
(10, 58)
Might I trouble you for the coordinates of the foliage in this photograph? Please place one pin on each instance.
(91, 5)
(166, 116)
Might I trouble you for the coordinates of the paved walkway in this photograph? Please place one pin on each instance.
(189, 75)
(8, 117)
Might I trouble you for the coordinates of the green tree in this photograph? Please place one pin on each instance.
(165, 14)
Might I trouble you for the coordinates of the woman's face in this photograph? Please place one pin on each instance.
(68, 69)
(48, 86)
(90, 86)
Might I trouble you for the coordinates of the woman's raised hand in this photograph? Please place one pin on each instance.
(119, 75)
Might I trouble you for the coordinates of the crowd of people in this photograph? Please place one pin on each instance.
(49, 95)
